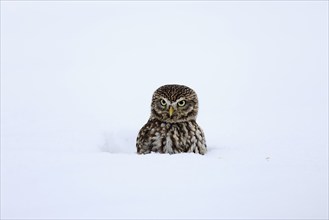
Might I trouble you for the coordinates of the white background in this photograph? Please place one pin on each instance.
(76, 84)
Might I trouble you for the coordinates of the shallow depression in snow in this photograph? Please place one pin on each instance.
(76, 84)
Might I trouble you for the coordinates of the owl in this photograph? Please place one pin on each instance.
(172, 126)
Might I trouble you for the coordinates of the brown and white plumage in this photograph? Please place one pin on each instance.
(172, 126)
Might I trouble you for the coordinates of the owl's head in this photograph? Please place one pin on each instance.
(174, 103)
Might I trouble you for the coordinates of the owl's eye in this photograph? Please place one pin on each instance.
(163, 102)
(181, 103)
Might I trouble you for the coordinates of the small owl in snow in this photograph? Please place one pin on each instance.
(172, 126)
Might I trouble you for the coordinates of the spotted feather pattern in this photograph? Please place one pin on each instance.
(177, 133)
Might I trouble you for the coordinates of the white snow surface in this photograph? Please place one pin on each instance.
(76, 84)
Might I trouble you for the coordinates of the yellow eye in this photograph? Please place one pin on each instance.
(181, 103)
(163, 102)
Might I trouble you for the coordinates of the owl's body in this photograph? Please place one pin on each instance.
(172, 127)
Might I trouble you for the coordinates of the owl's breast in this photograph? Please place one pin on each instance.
(172, 138)
(162, 137)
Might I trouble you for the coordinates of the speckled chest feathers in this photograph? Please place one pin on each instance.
(172, 127)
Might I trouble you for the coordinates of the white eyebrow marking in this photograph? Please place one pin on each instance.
(178, 100)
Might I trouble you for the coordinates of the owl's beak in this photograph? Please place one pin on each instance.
(171, 111)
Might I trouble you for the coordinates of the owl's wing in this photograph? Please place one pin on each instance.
(143, 142)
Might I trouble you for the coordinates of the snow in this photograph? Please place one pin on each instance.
(76, 85)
